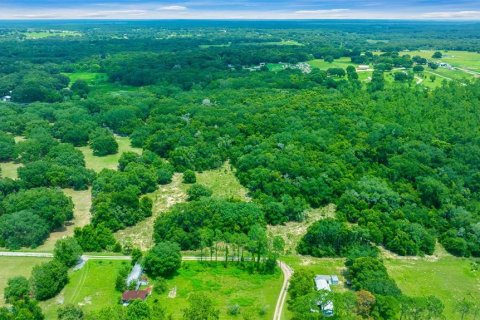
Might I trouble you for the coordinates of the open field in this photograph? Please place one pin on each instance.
(91, 287)
(16, 266)
(110, 161)
(82, 201)
(292, 232)
(165, 197)
(90, 77)
(448, 278)
(222, 182)
(34, 35)
(338, 63)
(465, 59)
(9, 169)
(226, 286)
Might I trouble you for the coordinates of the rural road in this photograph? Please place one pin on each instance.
(287, 274)
(282, 297)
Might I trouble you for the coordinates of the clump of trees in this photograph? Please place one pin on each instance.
(163, 260)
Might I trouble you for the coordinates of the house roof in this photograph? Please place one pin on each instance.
(135, 294)
(322, 284)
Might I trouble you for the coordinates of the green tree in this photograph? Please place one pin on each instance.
(22, 229)
(70, 312)
(7, 147)
(189, 177)
(196, 191)
(201, 307)
(103, 142)
(67, 251)
(163, 260)
(17, 288)
(48, 279)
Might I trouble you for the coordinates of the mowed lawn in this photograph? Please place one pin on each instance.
(448, 278)
(91, 288)
(9, 169)
(226, 286)
(16, 266)
(108, 162)
(465, 59)
(343, 62)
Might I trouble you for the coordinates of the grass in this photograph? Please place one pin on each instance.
(91, 287)
(462, 59)
(9, 169)
(343, 62)
(34, 35)
(82, 201)
(165, 197)
(108, 162)
(292, 232)
(16, 266)
(222, 182)
(90, 77)
(448, 278)
(226, 286)
(332, 266)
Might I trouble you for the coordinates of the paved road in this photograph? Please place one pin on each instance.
(282, 297)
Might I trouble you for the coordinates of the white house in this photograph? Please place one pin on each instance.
(323, 282)
(6, 98)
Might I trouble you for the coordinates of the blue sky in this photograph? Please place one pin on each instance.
(240, 9)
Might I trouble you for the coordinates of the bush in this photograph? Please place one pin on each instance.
(233, 310)
(189, 177)
(160, 285)
(196, 191)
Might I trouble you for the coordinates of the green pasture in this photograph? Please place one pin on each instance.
(448, 278)
(16, 266)
(91, 288)
(89, 77)
(226, 286)
(107, 162)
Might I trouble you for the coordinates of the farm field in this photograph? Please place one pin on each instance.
(16, 266)
(463, 59)
(226, 286)
(108, 162)
(449, 278)
(91, 287)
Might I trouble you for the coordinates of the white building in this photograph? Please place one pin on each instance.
(323, 282)
(7, 99)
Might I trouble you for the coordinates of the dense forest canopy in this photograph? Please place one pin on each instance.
(399, 160)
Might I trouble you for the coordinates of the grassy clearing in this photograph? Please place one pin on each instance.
(343, 62)
(90, 77)
(222, 182)
(9, 169)
(334, 266)
(448, 278)
(165, 197)
(91, 287)
(292, 232)
(34, 35)
(16, 266)
(111, 161)
(226, 286)
(82, 201)
(223, 45)
(465, 59)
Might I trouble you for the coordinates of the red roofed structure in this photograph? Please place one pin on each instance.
(131, 295)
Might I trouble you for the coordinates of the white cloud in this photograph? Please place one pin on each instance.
(173, 8)
(452, 15)
(321, 11)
